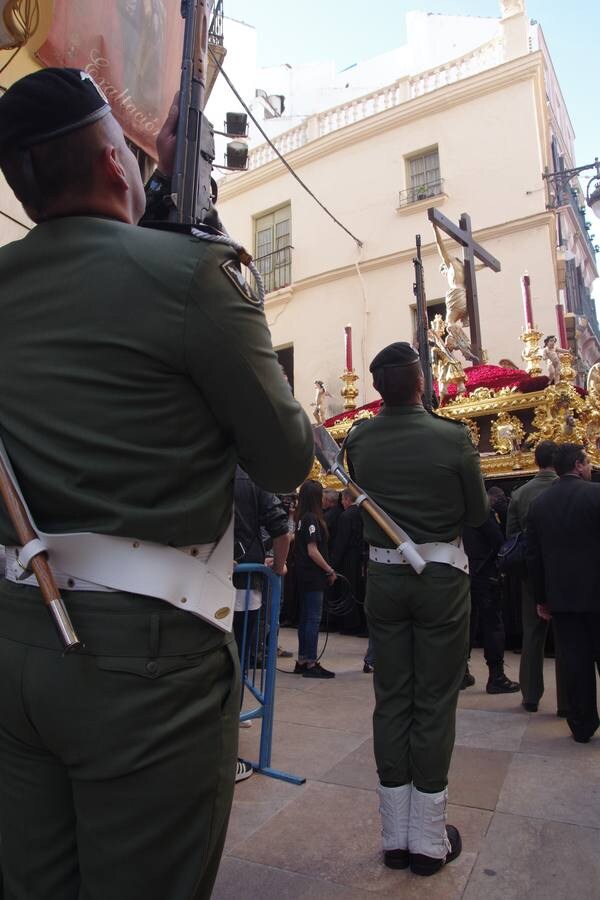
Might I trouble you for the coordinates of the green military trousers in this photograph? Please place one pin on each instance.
(116, 763)
(419, 628)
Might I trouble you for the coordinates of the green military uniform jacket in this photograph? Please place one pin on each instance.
(136, 372)
(422, 469)
(520, 500)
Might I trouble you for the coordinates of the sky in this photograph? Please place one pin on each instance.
(350, 30)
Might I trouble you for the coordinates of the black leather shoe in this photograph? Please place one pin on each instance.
(581, 738)
(500, 684)
(396, 859)
(468, 680)
(367, 669)
(427, 865)
(530, 707)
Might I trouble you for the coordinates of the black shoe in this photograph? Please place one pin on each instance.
(530, 707)
(581, 738)
(317, 671)
(396, 859)
(367, 669)
(468, 680)
(427, 865)
(299, 668)
(500, 684)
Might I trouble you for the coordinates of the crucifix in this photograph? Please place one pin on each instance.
(461, 274)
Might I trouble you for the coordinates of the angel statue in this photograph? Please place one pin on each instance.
(446, 368)
(320, 402)
(551, 356)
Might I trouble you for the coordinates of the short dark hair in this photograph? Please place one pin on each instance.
(544, 454)
(397, 384)
(566, 456)
(551, 337)
(42, 174)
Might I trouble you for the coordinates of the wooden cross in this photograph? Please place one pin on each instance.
(463, 235)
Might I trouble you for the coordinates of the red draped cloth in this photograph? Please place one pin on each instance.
(494, 377)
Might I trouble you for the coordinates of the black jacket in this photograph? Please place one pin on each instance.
(255, 509)
(563, 545)
(482, 545)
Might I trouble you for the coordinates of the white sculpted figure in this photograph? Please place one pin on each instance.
(551, 356)
(320, 403)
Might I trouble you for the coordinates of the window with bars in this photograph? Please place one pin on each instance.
(273, 248)
(422, 177)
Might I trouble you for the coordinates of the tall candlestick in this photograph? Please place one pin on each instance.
(561, 325)
(348, 346)
(527, 308)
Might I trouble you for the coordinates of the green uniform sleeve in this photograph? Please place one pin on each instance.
(476, 500)
(230, 357)
(513, 524)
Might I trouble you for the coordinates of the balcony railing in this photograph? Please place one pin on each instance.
(576, 204)
(421, 192)
(215, 32)
(275, 268)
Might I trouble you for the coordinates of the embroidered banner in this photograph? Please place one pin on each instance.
(132, 49)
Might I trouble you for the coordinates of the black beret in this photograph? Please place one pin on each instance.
(48, 104)
(398, 354)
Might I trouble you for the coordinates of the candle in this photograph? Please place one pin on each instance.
(527, 308)
(348, 346)
(562, 328)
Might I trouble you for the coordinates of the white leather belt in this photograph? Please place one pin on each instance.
(452, 554)
(194, 580)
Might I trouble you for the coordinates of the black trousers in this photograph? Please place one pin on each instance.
(578, 637)
(485, 611)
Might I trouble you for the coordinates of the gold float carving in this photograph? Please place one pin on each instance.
(556, 417)
(507, 434)
(473, 431)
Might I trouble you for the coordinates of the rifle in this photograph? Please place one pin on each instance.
(331, 458)
(191, 190)
(26, 535)
(422, 326)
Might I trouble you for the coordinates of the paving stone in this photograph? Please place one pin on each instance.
(255, 801)
(242, 878)
(489, 730)
(552, 788)
(315, 708)
(476, 776)
(537, 860)
(332, 832)
(357, 769)
(547, 735)
(302, 750)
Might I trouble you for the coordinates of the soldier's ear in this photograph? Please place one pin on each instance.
(112, 168)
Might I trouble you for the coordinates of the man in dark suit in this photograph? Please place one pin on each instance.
(563, 537)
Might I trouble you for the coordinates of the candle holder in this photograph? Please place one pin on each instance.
(349, 392)
(531, 354)
(567, 372)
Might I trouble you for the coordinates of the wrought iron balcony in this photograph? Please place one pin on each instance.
(571, 196)
(421, 192)
(275, 268)
(215, 32)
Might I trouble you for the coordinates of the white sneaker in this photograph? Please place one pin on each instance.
(246, 723)
(243, 770)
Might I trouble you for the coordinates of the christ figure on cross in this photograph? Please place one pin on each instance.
(462, 307)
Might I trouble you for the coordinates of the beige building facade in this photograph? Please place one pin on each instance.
(472, 135)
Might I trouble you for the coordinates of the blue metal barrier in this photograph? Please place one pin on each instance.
(259, 662)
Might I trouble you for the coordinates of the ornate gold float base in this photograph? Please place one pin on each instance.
(531, 354)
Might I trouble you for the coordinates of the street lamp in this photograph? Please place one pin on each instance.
(560, 180)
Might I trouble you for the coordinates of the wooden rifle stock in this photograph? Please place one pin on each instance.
(39, 563)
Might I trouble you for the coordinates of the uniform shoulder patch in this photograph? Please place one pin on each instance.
(231, 270)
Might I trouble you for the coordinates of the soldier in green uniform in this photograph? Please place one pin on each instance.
(137, 371)
(424, 471)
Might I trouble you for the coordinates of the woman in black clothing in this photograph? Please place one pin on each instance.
(313, 574)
